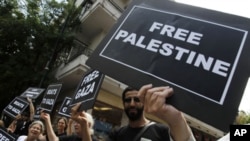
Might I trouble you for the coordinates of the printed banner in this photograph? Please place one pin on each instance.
(203, 54)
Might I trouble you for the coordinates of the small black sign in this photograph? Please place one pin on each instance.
(5, 136)
(16, 106)
(65, 109)
(239, 132)
(50, 97)
(32, 93)
(88, 89)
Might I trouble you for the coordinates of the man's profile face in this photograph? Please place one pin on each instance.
(132, 105)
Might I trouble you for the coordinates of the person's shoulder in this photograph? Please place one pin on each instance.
(62, 134)
(22, 138)
(120, 129)
(113, 135)
(160, 125)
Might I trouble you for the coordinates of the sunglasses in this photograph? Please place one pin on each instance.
(129, 99)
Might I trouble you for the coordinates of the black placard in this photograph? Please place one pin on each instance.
(50, 97)
(65, 109)
(203, 54)
(16, 107)
(32, 92)
(88, 89)
(5, 136)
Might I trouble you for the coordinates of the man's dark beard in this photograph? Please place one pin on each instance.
(134, 116)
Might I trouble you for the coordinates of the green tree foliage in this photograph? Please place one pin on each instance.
(31, 33)
(242, 118)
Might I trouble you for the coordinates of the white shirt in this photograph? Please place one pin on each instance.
(21, 138)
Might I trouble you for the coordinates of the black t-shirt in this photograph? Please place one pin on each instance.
(22, 127)
(70, 138)
(62, 134)
(156, 132)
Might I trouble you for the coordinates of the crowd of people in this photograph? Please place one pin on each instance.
(25, 128)
(79, 127)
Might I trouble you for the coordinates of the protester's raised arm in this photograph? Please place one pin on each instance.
(50, 132)
(32, 109)
(81, 118)
(69, 128)
(154, 99)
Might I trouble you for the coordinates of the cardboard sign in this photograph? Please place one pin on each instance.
(50, 97)
(88, 89)
(65, 109)
(5, 136)
(203, 54)
(16, 107)
(32, 93)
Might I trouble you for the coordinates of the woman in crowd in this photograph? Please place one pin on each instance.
(35, 132)
(82, 127)
(61, 126)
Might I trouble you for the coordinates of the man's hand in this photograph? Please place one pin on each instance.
(29, 100)
(79, 117)
(154, 98)
(45, 116)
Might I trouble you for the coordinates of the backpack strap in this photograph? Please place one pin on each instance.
(142, 131)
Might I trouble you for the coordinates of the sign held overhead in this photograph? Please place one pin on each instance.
(88, 89)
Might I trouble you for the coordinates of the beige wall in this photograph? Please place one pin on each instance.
(110, 99)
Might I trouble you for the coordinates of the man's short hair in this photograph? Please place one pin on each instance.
(125, 91)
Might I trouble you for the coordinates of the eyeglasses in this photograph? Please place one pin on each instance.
(129, 99)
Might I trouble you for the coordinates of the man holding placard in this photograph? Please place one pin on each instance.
(152, 100)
